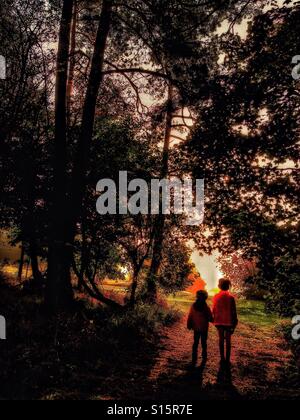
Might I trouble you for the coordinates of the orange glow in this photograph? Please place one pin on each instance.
(198, 283)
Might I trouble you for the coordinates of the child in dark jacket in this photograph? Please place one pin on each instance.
(199, 318)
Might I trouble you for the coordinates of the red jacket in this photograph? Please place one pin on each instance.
(224, 310)
(199, 321)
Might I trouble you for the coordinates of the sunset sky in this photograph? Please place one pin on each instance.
(208, 268)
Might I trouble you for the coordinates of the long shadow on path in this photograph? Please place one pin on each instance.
(190, 386)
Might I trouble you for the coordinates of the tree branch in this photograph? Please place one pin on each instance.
(146, 72)
(94, 292)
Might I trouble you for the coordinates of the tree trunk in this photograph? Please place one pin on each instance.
(84, 255)
(59, 293)
(21, 263)
(27, 269)
(92, 290)
(67, 210)
(160, 220)
(134, 286)
(70, 86)
(88, 117)
(36, 274)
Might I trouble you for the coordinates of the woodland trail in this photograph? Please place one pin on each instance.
(263, 366)
(259, 365)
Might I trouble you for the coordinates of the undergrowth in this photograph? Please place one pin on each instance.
(74, 355)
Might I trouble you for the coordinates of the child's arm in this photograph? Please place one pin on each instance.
(210, 315)
(214, 307)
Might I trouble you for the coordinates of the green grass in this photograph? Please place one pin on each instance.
(249, 311)
(253, 312)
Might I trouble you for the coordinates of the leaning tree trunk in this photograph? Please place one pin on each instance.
(59, 293)
(88, 119)
(159, 225)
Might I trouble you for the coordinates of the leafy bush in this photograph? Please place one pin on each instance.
(283, 294)
(87, 347)
(145, 320)
(293, 375)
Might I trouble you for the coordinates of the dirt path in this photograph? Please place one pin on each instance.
(260, 361)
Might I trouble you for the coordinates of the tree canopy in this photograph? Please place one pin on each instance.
(156, 88)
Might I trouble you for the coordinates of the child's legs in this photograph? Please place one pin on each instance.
(197, 336)
(204, 337)
(228, 344)
(221, 332)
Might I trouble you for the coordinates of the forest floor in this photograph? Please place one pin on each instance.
(135, 358)
(263, 366)
(260, 360)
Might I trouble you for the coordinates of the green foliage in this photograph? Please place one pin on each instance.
(283, 290)
(247, 125)
(176, 267)
(293, 372)
(245, 145)
(144, 321)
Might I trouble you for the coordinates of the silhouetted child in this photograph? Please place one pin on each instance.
(199, 318)
(225, 318)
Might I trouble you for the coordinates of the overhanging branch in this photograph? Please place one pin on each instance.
(145, 72)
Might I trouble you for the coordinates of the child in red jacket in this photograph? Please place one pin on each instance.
(225, 318)
(199, 318)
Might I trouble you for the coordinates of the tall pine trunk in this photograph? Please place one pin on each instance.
(59, 293)
(71, 76)
(66, 210)
(159, 226)
(88, 119)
